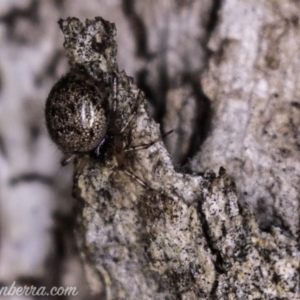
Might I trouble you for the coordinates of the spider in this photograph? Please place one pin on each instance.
(82, 118)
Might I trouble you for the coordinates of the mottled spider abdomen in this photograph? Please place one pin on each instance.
(75, 114)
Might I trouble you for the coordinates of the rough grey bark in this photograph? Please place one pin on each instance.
(252, 82)
(149, 232)
(165, 46)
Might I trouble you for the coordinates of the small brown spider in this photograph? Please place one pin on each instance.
(81, 117)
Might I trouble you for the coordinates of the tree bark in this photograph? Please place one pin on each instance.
(223, 75)
(147, 231)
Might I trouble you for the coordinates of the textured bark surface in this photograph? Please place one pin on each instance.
(220, 72)
(252, 82)
(146, 231)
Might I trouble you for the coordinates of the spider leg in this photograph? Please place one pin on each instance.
(83, 160)
(140, 95)
(147, 145)
(67, 159)
(114, 128)
(140, 181)
(115, 93)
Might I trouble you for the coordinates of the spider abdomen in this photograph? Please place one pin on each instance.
(76, 114)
